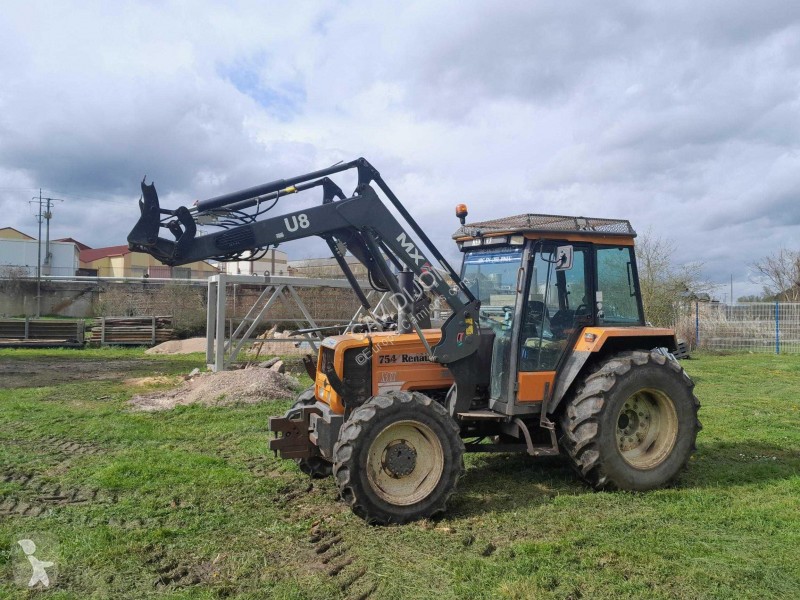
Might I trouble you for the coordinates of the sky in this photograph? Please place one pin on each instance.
(683, 117)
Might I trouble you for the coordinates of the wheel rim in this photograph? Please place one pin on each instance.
(405, 462)
(647, 428)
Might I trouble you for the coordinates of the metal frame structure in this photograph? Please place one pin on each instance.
(222, 352)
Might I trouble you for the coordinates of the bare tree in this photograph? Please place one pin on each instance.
(664, 284)
(780, 274)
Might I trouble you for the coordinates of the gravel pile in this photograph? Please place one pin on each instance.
(251, 385)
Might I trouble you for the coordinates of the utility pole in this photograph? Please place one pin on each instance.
(46, 215)
(39, 261)
(48, 256)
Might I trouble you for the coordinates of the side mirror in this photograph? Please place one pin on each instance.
(563, 258)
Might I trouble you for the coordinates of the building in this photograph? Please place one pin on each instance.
(80, 245)
(119, 261)
(274, 262)
(20, 255)
(9, 233)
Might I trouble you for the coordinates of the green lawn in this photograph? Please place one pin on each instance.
(189, 504)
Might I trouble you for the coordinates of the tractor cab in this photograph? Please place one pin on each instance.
(541, 280)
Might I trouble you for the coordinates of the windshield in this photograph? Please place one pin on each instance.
(491, 274)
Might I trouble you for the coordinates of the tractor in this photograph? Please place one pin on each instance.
(545, 351)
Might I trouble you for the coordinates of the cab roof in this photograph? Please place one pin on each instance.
(548, 226)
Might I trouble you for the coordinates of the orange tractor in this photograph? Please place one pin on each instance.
(546, 350)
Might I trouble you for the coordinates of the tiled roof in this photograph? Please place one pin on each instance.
(80, 245)
(93, 254)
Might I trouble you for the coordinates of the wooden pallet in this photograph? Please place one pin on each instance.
(41, 333)
(132, 331)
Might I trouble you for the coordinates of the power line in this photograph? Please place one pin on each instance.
(78, 196)
(93, 198)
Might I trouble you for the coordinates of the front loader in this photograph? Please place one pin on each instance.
(546, 350)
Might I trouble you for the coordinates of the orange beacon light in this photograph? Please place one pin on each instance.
(461, 212)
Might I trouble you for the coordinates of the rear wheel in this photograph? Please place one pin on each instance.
(315, 467)
(398, 458)
(632, 425)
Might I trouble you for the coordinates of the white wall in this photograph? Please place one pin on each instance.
(23, 254)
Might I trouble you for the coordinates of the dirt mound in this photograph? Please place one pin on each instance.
(262, 347)
(153, 380)
(219, 389)
(197, 344)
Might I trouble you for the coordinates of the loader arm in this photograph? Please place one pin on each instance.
(361, 222)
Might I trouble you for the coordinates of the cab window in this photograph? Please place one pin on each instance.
(616, 299)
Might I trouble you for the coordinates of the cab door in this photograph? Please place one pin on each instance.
(556, 306)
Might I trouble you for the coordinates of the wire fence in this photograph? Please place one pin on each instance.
(752, 327)
(151, 272)
(772, 327)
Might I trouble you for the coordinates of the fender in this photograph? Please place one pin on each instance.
(593, 341)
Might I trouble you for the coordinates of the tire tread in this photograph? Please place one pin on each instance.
(358, 425)
(580, 417)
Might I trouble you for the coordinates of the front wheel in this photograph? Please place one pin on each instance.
(398, 458)
(633, 423)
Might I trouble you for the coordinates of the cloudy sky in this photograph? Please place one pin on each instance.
(683, 117)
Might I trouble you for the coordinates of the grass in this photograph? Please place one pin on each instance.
(189, 504)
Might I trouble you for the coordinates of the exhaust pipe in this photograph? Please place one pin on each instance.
(405, 279)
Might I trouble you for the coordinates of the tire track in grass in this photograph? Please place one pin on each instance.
(57, 448)
(37, 495)
(292, 491)
(331, 552)
(171, 572)
(68, 447)
(337, 562)
(15, 507)
(259, 466)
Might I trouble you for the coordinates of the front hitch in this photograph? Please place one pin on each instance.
(294, 440)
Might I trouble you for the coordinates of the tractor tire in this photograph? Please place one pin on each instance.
(315, 467)
(632, 424)
(398, 458)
